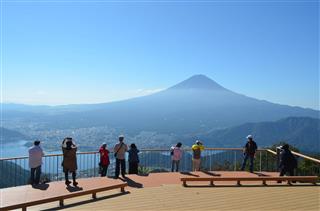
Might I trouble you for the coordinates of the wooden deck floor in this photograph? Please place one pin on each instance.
(163, 191)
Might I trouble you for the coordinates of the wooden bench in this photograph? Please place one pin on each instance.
(289, 179)
(26, 196)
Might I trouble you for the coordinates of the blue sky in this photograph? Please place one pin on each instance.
(86, 52)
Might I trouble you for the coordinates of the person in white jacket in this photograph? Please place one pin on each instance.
(35, 162)
(176, 155)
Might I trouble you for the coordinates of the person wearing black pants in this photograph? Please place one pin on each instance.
(119, 152)
(69, 162)
(287, 162)
(133, 159)
(35, 162)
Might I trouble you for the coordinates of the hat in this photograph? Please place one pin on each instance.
(198, 142)
(104, 144)
(121, 136)
(249, 137)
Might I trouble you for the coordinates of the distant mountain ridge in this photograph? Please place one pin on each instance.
(195, 105)
(301, 132)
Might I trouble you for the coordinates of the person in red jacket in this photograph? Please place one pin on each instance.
(104, 159)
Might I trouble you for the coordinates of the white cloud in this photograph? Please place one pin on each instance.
(147, 91)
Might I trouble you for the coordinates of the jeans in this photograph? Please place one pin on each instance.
(133, 167)
(35, 175)
(246, 156)
(175, 163)
(122, 163)
(104, 169)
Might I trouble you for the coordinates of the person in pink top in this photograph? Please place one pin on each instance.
(176, 154)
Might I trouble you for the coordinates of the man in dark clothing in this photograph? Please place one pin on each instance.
(287, 161)
(249, 151)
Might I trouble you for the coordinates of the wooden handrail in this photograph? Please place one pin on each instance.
(299, 155)
(306, 157)
(271, 151)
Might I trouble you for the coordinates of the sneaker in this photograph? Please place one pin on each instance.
(75, 183)
(67, 183)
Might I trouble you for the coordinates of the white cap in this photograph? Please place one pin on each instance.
(104, 143)
(198, 141)
(121, 136)
(249, 137)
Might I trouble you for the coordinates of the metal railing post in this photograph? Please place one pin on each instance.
(260, 160)
(57, 168)
(235, 161)
(94, 165)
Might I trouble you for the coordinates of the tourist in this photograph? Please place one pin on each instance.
(196, 157)
(249, 151)
(133, 159)
(69, 162)
(35, 162)
(287, 162)
(104, 160)
(176, 155)
(119, 153)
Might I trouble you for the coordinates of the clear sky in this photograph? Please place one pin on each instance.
(62, 52)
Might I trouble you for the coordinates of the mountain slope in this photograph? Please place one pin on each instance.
(195, 105)
(10, 135)
(301, 132)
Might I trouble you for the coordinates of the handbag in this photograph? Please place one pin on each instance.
(115, 154)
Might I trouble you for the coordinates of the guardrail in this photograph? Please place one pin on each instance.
(15, 171)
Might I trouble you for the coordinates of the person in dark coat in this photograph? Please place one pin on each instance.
(249, 151)
(104, 159)
(133, 159)
(287, 161)
(69, 162)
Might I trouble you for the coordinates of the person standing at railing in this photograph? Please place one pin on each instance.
(35, 162)
(176, 155)
(196, 157)
(119, 152)
(133, 159)
(287, 161)
(104, 159)
(69, 162)
(249, 151)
